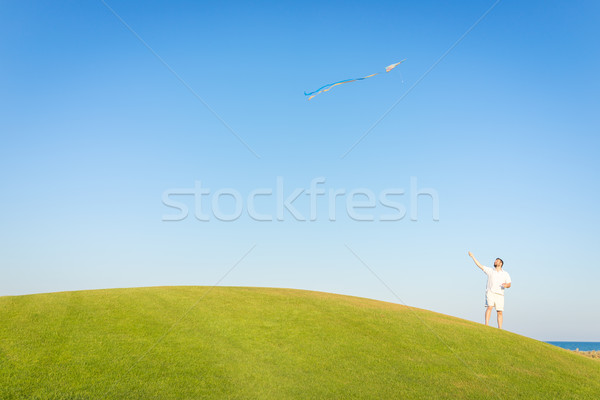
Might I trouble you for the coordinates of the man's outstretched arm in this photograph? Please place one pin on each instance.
(476, 262)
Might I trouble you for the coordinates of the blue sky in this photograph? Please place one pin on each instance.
(95, 129)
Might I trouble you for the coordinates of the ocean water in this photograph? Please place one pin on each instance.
(582, 346)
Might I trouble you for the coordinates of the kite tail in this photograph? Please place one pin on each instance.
(330, 86)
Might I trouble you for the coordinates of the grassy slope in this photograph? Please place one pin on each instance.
(267, 343)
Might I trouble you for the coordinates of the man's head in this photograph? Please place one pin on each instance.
(498, 262)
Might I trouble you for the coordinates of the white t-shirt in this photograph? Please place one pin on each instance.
(495, 279)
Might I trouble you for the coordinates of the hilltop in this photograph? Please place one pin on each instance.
(242, 342)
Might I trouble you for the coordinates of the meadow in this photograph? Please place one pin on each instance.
(244, 342)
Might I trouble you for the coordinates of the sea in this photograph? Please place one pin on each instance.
(582, 346)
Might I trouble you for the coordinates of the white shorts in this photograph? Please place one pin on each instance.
(494, 300)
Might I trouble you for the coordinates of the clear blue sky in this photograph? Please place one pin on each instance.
(505, 129)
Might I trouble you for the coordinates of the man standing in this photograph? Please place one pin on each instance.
(498, 280)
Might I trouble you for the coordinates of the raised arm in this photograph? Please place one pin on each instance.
(476, 262)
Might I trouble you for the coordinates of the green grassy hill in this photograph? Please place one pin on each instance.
(235, 343)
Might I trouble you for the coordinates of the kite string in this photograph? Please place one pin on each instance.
(401, 77)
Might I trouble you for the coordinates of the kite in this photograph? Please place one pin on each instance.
(330, 86)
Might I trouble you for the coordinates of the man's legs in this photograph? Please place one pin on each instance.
(499, 319)
(488, 312)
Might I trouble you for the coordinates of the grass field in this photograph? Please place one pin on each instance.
(242, 343)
